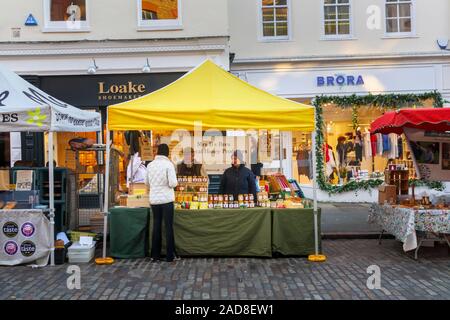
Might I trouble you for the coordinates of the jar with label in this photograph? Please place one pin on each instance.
(230, 198)
(246, 197)
(240, 197)
(251, 197)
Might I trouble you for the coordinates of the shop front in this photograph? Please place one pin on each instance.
(350, 162)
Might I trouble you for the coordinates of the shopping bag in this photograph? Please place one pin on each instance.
(4, 180)
(146, 150)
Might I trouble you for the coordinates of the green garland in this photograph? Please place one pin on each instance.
(384, 102)
(436, 185)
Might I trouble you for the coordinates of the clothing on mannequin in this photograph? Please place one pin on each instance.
(367, 145)
(358, 146)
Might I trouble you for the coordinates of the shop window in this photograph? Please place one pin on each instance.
(66, 15)
(159, 14)
(275, 19)
(399, 17)
(337, 18)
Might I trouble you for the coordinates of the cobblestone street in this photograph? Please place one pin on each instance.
(343, 276)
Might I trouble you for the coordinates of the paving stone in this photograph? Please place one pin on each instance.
(342, 276)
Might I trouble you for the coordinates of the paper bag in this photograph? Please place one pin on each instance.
(145, 148)
(4, 180)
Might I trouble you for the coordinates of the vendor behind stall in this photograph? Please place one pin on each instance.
(188, 167)
(238, 179)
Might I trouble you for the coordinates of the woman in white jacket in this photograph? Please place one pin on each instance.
(162, 179)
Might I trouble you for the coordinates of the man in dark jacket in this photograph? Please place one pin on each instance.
(238, 179)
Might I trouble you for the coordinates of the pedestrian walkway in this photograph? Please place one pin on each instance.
(343, 276)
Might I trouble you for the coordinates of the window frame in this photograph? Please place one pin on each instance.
(62, 26)
(261, 37)
(399, 34)
(162, 24)
(348, 36)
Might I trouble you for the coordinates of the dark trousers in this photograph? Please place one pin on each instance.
(160, 212)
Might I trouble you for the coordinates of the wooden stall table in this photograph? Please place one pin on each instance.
(221, 232)
(293, 231)
(403, 222)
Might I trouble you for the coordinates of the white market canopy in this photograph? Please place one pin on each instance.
(23, 107)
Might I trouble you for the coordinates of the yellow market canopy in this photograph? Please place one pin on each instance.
(215, 97)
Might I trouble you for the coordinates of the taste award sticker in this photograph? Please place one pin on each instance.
(27, 229)
(27, 248)
(11, 248)
(10, 229)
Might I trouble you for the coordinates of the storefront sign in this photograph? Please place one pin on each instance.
(340, 80)
(104, 90)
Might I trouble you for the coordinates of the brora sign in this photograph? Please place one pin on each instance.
(340, 80)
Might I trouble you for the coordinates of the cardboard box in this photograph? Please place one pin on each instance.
(138, 201)
(387, 193)
(138, 189)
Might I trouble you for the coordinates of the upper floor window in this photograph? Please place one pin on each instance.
(66, 15)
(159, 14)
(399, 16)
(275, 19)
(337, 18)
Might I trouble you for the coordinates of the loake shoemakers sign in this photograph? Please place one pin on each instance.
(104, 90)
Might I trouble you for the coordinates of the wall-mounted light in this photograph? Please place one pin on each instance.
(442, 43)
(146, 68)
(93, 68)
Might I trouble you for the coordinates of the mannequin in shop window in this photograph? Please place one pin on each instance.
(331, 169)
(358, 146)
(343, 148)
(303, 155)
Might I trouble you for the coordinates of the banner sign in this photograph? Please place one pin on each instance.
(24, 237)
(24, 107)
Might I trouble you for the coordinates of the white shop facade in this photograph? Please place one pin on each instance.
(345, 129)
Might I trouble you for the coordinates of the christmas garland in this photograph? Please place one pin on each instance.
(383, 102)
(436, 185)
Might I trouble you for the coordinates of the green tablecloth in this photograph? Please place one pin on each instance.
(293, 231)
(228, 232)
(128, 232)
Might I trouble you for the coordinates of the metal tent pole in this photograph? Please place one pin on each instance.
(316, 229)
(104, 259)
(51, 179)
(316, 257)
(106, 195)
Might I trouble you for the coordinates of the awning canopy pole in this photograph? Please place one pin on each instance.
(51, 179)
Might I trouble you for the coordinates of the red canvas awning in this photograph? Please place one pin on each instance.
(430, 119)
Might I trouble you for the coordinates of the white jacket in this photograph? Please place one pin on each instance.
(161, 178)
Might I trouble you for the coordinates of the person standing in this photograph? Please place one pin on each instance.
(162, 179)
(238, 179)
(188, 167)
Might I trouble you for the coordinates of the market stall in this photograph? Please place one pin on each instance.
(26, 108)
(414, 218)
(207, 223)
